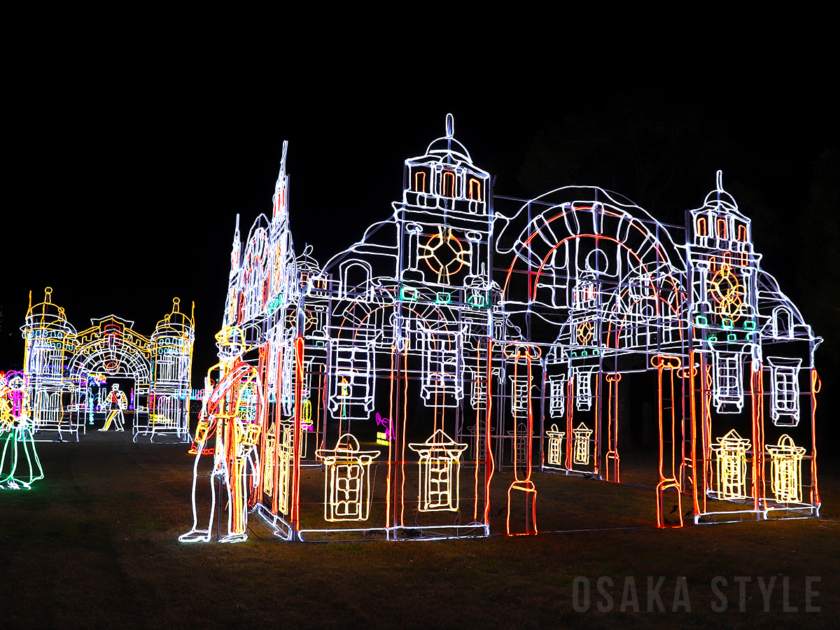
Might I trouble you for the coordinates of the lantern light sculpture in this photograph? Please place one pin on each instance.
(731, 453)
(787, 460)
(487, 319)
(347, 480)
(439, 472)
(555, 445)
(580, 435)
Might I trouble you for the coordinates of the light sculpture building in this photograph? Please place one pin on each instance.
(487, 334)
(64, 368)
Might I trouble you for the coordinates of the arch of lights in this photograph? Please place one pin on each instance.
(471, 339)
(67, 371)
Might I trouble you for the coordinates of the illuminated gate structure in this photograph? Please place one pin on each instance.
(67, 371)
(489, 333)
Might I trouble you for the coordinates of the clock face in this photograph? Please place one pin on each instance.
(309, 319)
(584, 332)
(727, 291)
(445, 254)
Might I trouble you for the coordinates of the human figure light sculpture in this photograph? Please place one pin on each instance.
(230, 414)
(19, 463)
(114, 401)
(475, 320)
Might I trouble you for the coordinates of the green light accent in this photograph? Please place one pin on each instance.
(751, 336)
(700, 320)
(275, 303)
(407, 293)
(728, 323)
(574, 354)
(443, 298)
(476, 300)
(583, 354)
(749, 325)
(732, 337)
(711, 338)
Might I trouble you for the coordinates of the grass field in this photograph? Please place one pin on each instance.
(95, 545)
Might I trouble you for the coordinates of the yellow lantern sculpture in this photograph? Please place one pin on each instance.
(347, 481)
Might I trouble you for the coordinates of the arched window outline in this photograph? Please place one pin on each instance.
(475, 189)
(345, 271)
(702, 227)
(720, 225)
(447, 184)
(420, 181)
(584, 294)
(782, 322)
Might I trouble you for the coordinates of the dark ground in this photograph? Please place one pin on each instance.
(95, 545)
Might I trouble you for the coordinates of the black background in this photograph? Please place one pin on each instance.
(129, 156)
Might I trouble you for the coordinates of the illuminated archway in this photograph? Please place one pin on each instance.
(604, 291)
(65, 369)
(112, 349)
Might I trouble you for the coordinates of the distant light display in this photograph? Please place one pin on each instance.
(493, 333)
(68, 372)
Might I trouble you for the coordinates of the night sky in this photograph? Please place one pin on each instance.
(128, 168)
